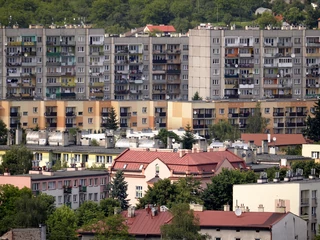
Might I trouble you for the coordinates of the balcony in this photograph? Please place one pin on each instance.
(231, 96)
(200, 126)
(278, 125)
(159, 91)
(14, 125)
(53, 74)
(70, 114)
(301, 124)
(53, 54)
(14, 114)
(50, 114)
(198, 115)
(16, 64)
(284, 44)
(246, 65)
(125, 114)
(231, 75)
(162, 125)
(278, 114)
(68, 43)
(175, 81)
(244, 115)
(158, 71)
(162, 114)
(104, 114)
(123, 125)
(121, 91)
(233, 115)
(247, 55)
(52, 125)
(14, 43)
(291, 124)
(70, 125)
(282, 95)
(96, 95)
(285, 65)
(247, 86)
(304, 202)
(53, 64)
(82, 189)
(173, 71)
(96, 84)
(73, 73)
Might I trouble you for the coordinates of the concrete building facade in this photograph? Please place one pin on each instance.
(298, 197)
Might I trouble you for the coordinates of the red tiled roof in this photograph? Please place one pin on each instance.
(193, 162)
(160, 28)
(281, 139)
(143, 223)
(246, 220)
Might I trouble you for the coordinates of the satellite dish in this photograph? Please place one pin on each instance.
(238, 212)
(236, 65)
(293, 55)
(167, 97)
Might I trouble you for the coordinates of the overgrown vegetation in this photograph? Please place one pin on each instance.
(118, 16)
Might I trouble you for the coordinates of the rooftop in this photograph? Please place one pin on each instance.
(277, 158)
(179, 161)
(65, 174)
(281, 139)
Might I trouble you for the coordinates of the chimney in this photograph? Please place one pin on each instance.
(110, 141)
(264, 146)
(242, 207)
(280, 209)
(313, 173)
(18, 139)
(169, 142)
(78, 138)
(131, 212)
(194, 150)
(154, 211)
(247, 209)
(65, 138)
(226, 207)
(182, 152)
(196, 207)
(260, 208)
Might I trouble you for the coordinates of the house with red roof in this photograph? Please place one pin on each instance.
(143, 167)
(146, 224)
(166, 29)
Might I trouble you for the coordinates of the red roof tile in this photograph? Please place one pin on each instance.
(193, 162)
(143, 223)
(160, 28)
(281, 139)
(246, 220)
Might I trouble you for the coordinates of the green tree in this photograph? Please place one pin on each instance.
(196, 97)
(3, 133)
(312, 130)
(223, 130)
(255, 122)
(227, 18)
(110, 228)
(62, 224)
(107, 206)
(188, 138)
(88, 212)
(94, 142)
(112, 122)
(306, 166)
(184, 225)
(294, 16)
(267, 19)
(163, 135)
(33, 210)
(189, 190)
(279, 6)
(17, 160)
(219, 191)
(271, 173)
(9, 195)
(118, 189)
(296, 150)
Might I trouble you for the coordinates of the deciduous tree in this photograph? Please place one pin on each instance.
(163, 135)
(223, 130)
(255, 122)
(17, 160)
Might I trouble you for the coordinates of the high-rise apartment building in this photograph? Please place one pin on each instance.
(83, 63)
(254, 64)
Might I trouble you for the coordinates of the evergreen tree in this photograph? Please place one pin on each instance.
(118, 190)
(3, 133)
(256, 123)
(112, 122)
(188, 138)
(312, 130)
(196, 96)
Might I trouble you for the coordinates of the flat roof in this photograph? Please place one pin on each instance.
(66, 174)
(70, 148)
(302, 181)
(277, 158)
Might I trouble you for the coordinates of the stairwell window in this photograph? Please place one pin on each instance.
(157, 169)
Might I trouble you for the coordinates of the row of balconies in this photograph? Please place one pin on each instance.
(61, 43)
(289, 124)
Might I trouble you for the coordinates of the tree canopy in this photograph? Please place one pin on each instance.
(17, 160)
(255, 122)
(223, 130)
(188, 138)
(112, 122)
(312, 130)
(219, 190)
(163, 135)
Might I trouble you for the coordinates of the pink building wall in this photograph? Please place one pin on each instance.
(17, 181)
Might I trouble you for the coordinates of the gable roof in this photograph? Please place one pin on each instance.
(176, 161)
(281, 139)
(160, 28)
(246, 220)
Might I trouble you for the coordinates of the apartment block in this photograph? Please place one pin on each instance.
(284, 116)
(254, 64)
(294, 194)
(70, 187)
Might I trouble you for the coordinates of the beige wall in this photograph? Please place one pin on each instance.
(232, 234)
(307, 149)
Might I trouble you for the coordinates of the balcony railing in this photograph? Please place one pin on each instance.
(70, 114)
(123, 125)
(304, 201)
(171, 71)
(162, 125)
(50, 114)
(82, 188)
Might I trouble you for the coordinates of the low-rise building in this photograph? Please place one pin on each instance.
(71, 187)
(143, 167)
(294, 194)
(219, 225)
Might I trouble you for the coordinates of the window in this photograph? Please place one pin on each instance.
(109, 159)
(96, 181)
(60, 184)
(315, 154)
(90, 196)
(75, 183)
(138, 191)
(102, 181)
(80, 49)
(25, 113)
(51, 185)
(35, 120)
(59, 199)
(95, 197)
(221, 111)
(144, 121)
(215, 82)
(145, 47)
(144, 110)
(80, 59)
(157, 169)
(90, 181)
(267, 110)
(216, 61)
(185, 47)
(44, 186)
(90, 109)
(100, 159)
(35, 186)
(297, 50)
(217, 238)
(35, 110)
(90, 120)
(125, 166)
(216, 40)
(74, 198)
